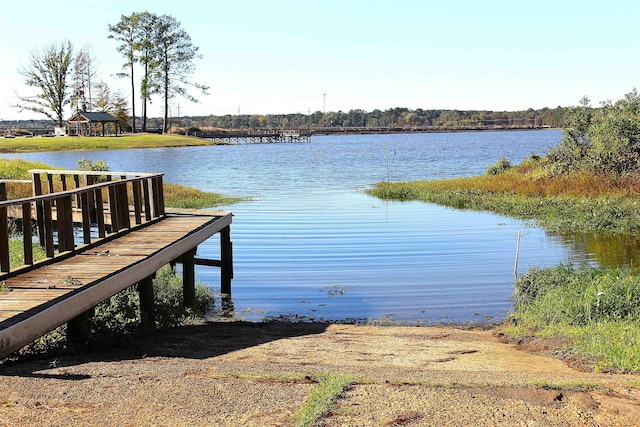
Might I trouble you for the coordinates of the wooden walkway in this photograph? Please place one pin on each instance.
(39, 296)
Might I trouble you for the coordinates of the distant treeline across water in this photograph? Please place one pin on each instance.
(396, 119)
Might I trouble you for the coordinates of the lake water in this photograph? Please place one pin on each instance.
(312, 245)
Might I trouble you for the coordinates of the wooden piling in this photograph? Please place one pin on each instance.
(226, 260)
(147, 305)
(189, 278)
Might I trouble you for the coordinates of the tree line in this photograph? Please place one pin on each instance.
(153, 45)
(394, 118)
(401, 118)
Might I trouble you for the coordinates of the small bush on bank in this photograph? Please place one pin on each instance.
(120, 315)
(501, 166)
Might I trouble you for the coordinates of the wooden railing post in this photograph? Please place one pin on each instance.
(48, 230)
(158, 196)
(76, 181)
(147, 199)
(50, 182)
(97, 194)
(113, 209)
(64, 216)
(123, 204)
(90, 180)
(137, 202)
(37, 191)
(86, 217)
(161, 195)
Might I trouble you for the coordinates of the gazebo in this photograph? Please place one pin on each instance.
(84, 123)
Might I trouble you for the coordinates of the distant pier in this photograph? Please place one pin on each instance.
(255, 136)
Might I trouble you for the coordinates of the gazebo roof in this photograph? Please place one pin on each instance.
(85, 116)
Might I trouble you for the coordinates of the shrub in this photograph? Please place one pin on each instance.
(501, 165)
(88, 165)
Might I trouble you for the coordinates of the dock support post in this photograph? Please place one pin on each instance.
(189, 278)
(226, 259)
(147, 305)
(78, 327)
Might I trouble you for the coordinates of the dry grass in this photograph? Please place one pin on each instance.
(527, 181)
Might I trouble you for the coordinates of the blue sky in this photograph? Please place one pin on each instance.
(282, 56)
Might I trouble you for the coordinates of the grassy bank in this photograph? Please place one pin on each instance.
(71, 143)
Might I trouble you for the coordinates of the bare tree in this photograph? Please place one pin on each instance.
(48, 71)
(84, 79)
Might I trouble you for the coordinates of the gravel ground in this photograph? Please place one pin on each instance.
(246, 374)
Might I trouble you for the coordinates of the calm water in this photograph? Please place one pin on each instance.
(311, 244)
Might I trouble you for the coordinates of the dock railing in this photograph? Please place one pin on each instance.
(101, 204)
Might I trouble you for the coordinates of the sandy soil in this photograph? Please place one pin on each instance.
(244, 374)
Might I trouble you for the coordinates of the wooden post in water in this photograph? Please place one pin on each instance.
(189, 278)
(226, 260)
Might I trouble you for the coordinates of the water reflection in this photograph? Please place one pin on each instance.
(601, 249)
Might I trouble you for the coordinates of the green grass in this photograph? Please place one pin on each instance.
(70, 143)
(16, 255)
(18, 169)
(595, 312)
(180, 196)
(322, 399)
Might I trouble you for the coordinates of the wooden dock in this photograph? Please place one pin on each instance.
(91, 259)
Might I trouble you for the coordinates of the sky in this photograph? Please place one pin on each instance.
(294, 56)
